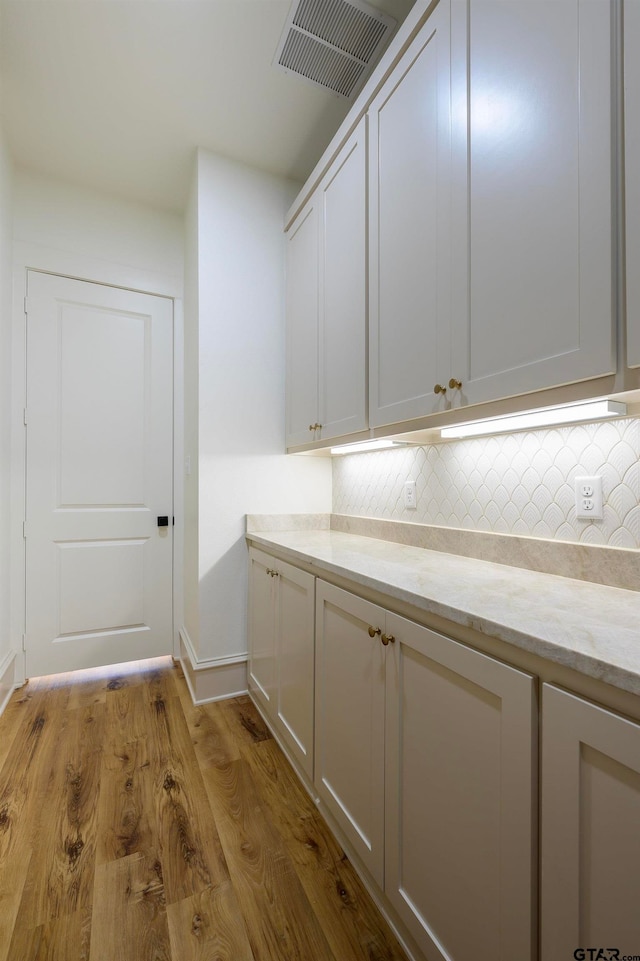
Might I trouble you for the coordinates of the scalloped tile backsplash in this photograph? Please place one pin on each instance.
(511, 484)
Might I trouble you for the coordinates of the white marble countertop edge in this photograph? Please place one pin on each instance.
(590, 628)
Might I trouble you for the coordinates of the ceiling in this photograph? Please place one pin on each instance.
(117, 94)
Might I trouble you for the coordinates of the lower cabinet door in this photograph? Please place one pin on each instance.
(590, 830)
(461, 816)
(261, 630)
(295, 662)
(349, 747)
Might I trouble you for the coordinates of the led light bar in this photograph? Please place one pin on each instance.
(365, 445)
(548, 417)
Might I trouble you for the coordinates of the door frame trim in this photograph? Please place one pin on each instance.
(33, 257)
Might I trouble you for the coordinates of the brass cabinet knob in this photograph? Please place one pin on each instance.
(318, 426)
(387, 639)
(272, 573)
(439, 389)
(373, 631)
(312, 427)
(455, 384)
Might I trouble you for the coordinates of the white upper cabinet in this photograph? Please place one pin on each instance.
(302, 325)
(532, 189)
(343, 291)
(409, 232)
(491, 221)
(632, 175)
(326, 303)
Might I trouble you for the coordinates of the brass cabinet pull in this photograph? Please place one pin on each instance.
(387, 639)
(455, 384)
(272, 573)
(318, 426)
(312, 426)
(373, 631)
(439, 389)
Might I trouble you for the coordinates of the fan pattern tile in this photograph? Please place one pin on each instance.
(515, 483)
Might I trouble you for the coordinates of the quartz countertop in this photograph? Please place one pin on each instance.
(588, 627)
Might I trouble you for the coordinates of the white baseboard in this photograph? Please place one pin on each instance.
(7, 679)
(215, 678)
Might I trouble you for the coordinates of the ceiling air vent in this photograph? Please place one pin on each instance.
(333, 43)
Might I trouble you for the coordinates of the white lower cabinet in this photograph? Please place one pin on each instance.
(349, 771)
(425, 756)
(461, 790)
(590, 829)
(281, 651)
(426, 760)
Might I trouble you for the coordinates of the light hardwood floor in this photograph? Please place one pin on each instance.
(137, 827)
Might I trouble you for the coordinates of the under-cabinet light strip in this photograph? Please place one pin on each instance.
(365, 445)
(568, 414)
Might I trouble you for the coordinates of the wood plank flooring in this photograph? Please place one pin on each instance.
(137, 827)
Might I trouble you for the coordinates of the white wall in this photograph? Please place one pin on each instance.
(129, 243)
(86, 234)
(242, 468)
(5, 387)
(191, 420)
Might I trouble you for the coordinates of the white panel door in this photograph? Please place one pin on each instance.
(532, 292)
(460, 797)
(590, 828)
(99, 474)
(632, 174)
(409, 229)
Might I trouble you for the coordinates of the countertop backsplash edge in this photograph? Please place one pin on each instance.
(599, 564)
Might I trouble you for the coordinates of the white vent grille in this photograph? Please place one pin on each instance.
(333, 43)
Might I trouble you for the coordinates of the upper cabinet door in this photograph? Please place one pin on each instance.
(532, 122)
(632, 174)
(302, 325)
(409, 232)
(343, 291)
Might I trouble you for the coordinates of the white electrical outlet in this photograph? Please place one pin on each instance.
(589, 503)
(410, 499)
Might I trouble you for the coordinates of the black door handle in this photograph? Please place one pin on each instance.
(163, 521)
